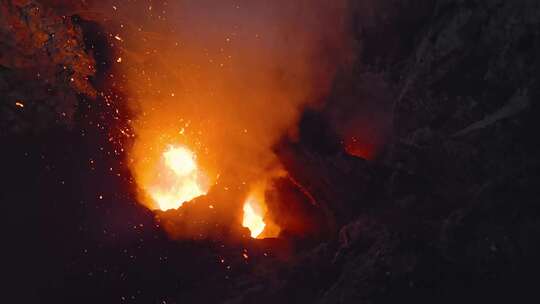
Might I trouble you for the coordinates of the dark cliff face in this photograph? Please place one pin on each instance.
(446, 211)
(443, 94)
(458, 217)
(44, 67)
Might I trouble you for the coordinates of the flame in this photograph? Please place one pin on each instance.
(253, 219)
(231, 85)
(180, 160)
(181, 181)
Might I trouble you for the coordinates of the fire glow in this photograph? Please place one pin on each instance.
(179, 180)
(228, 86)
(255, 214)
(253, 217)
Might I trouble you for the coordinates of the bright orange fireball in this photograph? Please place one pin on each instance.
(179, 179)
(253, 217)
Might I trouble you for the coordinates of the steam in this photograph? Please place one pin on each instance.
(225, 78)
(222, 79)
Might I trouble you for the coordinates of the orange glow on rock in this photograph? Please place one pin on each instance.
(364, 149)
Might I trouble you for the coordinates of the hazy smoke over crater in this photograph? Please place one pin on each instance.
(225, 78)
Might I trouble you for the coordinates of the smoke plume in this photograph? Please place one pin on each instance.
(225, 78)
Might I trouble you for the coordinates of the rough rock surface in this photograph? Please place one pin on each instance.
(43, 67)
(445, 211)
(456, 218)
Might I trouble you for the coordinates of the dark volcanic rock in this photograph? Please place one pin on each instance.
(338, 184)
(456, 218)
(43, 67)
(445, 211)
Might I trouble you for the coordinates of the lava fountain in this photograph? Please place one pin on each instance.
(178, 179)
(228, 82)
(255, 217)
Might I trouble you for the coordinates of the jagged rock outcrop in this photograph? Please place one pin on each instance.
(445, 212)
(44, 67)
(457, 219)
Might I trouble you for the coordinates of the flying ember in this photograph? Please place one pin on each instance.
(179, 179)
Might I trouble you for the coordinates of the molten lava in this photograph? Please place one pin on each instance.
(229, 80)
(253, 217)
(179, 179)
